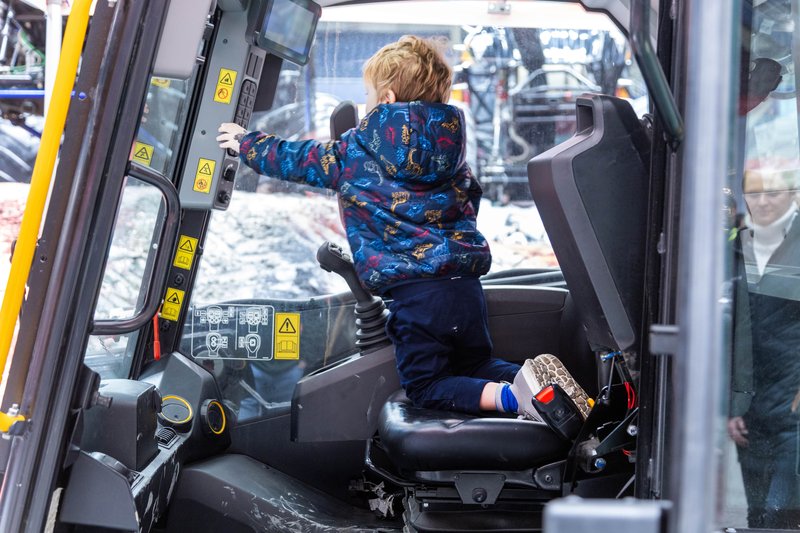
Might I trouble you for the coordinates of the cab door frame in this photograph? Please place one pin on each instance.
(707, 73)
(120, 48)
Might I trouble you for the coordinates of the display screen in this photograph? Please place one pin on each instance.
(288, 28)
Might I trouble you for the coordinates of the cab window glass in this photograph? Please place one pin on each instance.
(19, 144)
(159, 131)
(516, 75)
(762, 472)
(130, 259)
(138, 222)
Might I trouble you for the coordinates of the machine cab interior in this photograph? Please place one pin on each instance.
(229, 372)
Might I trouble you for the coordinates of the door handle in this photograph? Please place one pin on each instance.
(165, 247)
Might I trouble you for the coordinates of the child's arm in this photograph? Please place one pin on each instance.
(310, 162)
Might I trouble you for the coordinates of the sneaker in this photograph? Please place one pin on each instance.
(539, 372)
(525, 386)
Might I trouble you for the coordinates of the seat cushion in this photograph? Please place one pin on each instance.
(419, 440)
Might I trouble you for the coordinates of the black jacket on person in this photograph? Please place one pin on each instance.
(767, 339)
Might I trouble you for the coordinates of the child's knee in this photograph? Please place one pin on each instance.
(416, 394)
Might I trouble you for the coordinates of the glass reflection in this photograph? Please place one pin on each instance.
(763, 490)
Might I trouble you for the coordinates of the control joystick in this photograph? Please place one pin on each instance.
(371, 312)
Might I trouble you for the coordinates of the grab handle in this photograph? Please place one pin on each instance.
(166, 245)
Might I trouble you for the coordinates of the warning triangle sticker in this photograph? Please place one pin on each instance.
(287, 327)
(186, 246)
(205, 169)
(142, 154)
(174, 299)
(226, 80)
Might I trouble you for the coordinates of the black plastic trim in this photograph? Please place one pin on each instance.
(652, 72)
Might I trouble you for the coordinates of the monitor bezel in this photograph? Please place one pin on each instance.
(280, 50)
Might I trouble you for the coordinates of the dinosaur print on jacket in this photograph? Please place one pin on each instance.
(409, 201)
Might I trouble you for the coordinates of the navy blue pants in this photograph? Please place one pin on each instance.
(440, 332)
(771, 480)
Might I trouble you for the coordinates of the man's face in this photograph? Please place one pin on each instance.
(768, 195)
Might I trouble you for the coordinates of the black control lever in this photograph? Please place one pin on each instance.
(333, 258)
(371, 312)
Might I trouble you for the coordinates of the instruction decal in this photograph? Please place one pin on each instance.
(185, 252)
(171, 308)
(204, 175)
(225, 83)
(233, 331)
(287, 335)
(143, 153)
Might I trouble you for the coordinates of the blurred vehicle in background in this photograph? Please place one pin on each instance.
(517, 74)
(522, 82)
(22, 34)
(19, 144)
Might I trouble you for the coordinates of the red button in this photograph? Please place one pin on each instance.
(546, 395)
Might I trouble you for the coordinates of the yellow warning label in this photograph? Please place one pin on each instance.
(185, 252)
(160, 82)
(171, 309)
(287, 335)
(204, 175)
(225, 82)
(143, 153)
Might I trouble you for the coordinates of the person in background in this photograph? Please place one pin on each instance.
(766, 375)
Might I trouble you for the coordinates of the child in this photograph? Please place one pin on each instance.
(409, 205)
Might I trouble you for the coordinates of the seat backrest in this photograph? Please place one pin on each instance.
(592, 194)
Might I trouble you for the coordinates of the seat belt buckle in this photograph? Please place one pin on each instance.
(559, 411)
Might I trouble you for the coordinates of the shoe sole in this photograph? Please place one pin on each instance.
(531, 384)
(547, 368)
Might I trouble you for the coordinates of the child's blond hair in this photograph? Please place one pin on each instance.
(413, 67)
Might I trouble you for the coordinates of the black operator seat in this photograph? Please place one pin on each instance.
(423, 440)
(592, 194)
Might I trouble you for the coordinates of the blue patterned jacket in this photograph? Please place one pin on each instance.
(409, 201)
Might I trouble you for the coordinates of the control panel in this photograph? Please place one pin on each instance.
(229, 95)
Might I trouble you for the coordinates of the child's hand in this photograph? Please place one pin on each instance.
(231, 136)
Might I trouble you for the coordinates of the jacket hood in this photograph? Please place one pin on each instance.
(418, 142)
